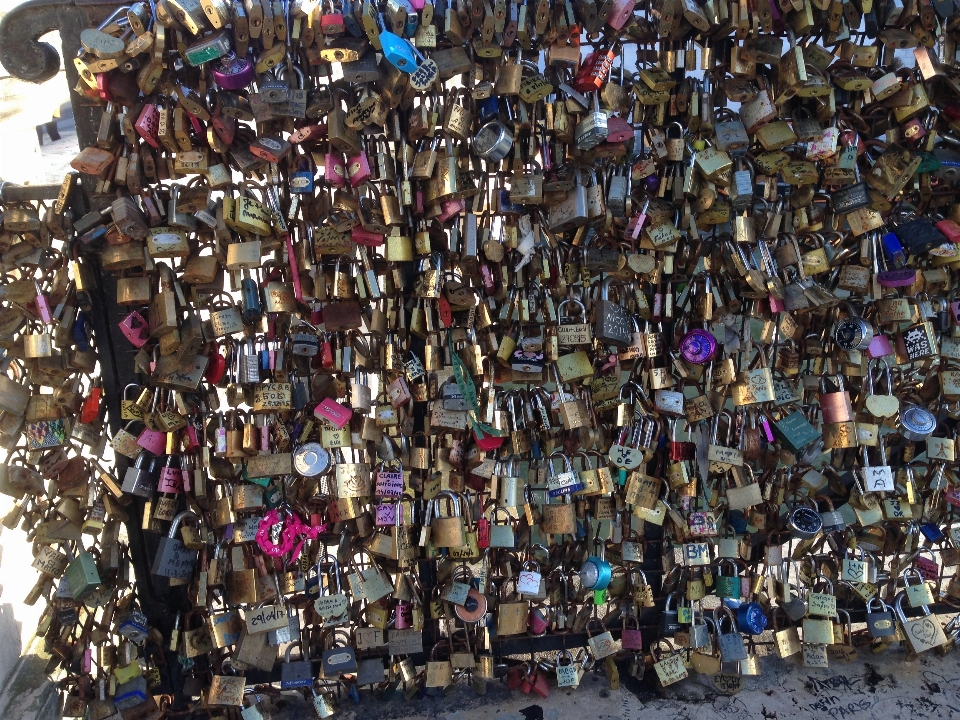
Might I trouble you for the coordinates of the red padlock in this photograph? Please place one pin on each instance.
(270, 148)
(950, 229)
(403, 616)
(483, 533)
(216, 367)
(681, 450)
(192, 445)
(444, 313)
(91, 405)
(880, 346)
(539, 619)
(103, 87)
(516, 676)
(539, 684)
(450, 208)
(927, 568)
(148, 124)
(326, 353)
(594, 71)
(331, 23)
(618, 129)
(225, 127)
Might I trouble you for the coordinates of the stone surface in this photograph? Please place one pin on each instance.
(873, 686)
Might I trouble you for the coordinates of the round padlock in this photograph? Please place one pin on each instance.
(698, 346)
(311, 460)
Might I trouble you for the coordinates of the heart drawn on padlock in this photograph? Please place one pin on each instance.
(924, 630)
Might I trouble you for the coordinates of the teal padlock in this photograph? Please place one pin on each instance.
(82, 575)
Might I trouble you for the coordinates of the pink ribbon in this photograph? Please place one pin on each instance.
(295, 533)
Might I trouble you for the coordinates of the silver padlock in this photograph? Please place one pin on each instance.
(592, 130)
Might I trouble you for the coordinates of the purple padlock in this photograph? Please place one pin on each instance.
(404, 616)
(233, 73)
(880, 346)
(698, 346)
(135, 329)
(897, 278)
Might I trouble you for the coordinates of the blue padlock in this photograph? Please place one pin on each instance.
(80, 332)
(932, 532)
(413, 19)
(595, 574)
(350, 23)
(509, 208)
(893, 249)
(489, 108)
(398, 52)
(302, 182)
(250, 299)
(751, 618)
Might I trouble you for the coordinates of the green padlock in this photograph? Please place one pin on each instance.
(82, 575)
(795, 431)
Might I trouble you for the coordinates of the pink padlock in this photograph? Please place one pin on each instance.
(955, 309)
(386, 514)
(952, 496)
(618, 129)
(776, 305)
(631, 637)
(404, 616)
(187, 476)
(171, 479)
(539, 619)
(334, 171)
(152, 441)
(148, 124)
(333, 411)
(358, 169)
(450, 208)
(418, 203)
(621, 11)
(43, 305)
(367, 238)
(135, 329)
(103, 87)
(927, 568)
(388, 484)
(879, 347)
(192, 441)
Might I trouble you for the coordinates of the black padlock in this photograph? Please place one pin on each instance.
(850, 198)
(919, 235)
(427, 572)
